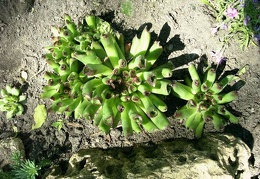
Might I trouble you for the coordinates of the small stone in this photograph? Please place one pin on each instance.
(8, 147)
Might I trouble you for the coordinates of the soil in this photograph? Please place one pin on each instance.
(183, 28)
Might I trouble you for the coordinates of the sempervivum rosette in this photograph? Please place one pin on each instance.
(98, 78)
(12, 101)
(206, 99)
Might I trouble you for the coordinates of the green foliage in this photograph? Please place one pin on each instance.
(26, 169)
(99, 77)
(12, 102)
(58, 124)
(127, 8)
(240, 19)
(40, 115)
(5, 175)
(206, 98)
(23, 168)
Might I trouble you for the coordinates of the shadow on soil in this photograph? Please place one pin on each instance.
(246, 136)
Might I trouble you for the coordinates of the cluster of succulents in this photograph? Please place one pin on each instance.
(97, 76)
(12, 101)
(206, 98)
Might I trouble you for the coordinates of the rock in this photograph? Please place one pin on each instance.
(215, 156)
(8, 147)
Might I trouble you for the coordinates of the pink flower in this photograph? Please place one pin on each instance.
(232, 12)
(218, 55)
(214, 30)
(224, 26)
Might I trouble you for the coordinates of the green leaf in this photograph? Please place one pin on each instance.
(4, 93)
(40, 115)
(243, 70)
(8, 89)
(206, 2)
(58, 124)
(199, 129)
(15, 91)
(22, 98)
(9, 114)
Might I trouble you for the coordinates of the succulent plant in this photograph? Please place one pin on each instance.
(99, 77)
(12, 101)
(72, 47)
(206, 99)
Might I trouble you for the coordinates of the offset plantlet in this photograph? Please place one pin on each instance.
(206, 99)
(12, 102)
(99, 77)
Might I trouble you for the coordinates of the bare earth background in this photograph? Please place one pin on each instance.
(183, 27)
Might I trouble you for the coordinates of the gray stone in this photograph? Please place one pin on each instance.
(213, 156)
(8, 147)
